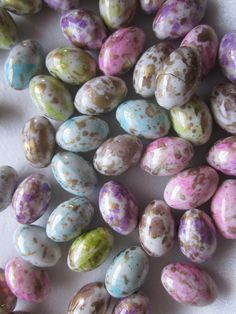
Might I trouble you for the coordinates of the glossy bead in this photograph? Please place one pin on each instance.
(227, 56)
(8, 30)
(151, 6)
(22, 7)
(137, 303)
(7, 298)
(62, 5)
(8, 183)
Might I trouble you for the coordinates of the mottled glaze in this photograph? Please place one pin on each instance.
(118, 207)
(31, 198)
(193, 121)
(8, 183)
(177, 17)
(117, 13)
(7, 298)
(33, 245)
(127, 272)
(167, 156)
(27, 282)
(223, 208)
(157, 229)
(8, 30)
(51, 97)
(71, 65)
(151, 6)
(83, 28)
(117, 155)
(74, 174)
(147, 67)
(191, 188)
(203, 38)
(178, 78)
(222, 155)
(82, 134)
(227, 56)
(197, 236)
(92, 298)
(62, 5)
(121, 50)
(38, 137)
(90, 250)
(137, 303)
(143, 118)
(188, 284)
(223, 105)
(100, 95)
(69, 219)
(22, 7)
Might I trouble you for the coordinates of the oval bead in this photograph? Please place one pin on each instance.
(92, 298)
(189, 285)
(74, 174)
(151, 6)
(82, 134)
(167, 156)
(90, 250)
(178, 78)
(137, 303)
(197, 236)
(83, 28)
(33, 245)
(222, 155)
(157, 229)
(143, 118)
(7, 298)
(69, 219)
(100, 95)
(121, 50)
(38, 136)
(71, 65)
(117, 155)
(191, 188)
(51, 97)
(147, 67)
(27, 282)
(22, 7)
(118, 207)
(227, 56)
(8, 183)
(8, 30)
(62, 5)
(127, 272)
(116, 13)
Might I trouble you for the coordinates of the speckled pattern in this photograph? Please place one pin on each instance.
(151, 6)
(222, 155)
(157, 229)
(31, 198)
(8, 30)
(137, 303)
(74, 174)
(191, 188)
(117, 13)
(83, 28)
(227, 56)
(177, 17)
(118, 207)
(188, 284)
(197, 236)
(167, 156)
(223, 208)
(27, 282)
(92, 298)
(127, 272)
(22, 7)
(82, 133)
(62, 5)
(121, 50)
(38, 137)
(117, 155)
(193, 121)
(71, 65)
(203, 38)
(69, 219)
(100, 95)
(223, 105)
(90, 250)
(178, 78)
(147, 67)
(7, 298)
(51, 97)
(8, 183)
(143, 118)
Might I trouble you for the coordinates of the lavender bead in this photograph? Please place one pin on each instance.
(227, 56)
(62, 5)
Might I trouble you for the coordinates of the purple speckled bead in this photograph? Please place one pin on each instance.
(62, 5)
(137, 303)
(227, 56)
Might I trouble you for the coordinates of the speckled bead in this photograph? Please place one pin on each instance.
(8, 30)
(62, 5)
(227, 56)
(22, 7)
(151, 6)
(7, 298)
(137, 303)
(8, 183)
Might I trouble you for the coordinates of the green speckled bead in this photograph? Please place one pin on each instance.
(51, 97)
(8, 30)
(22, 7)
(90, 250)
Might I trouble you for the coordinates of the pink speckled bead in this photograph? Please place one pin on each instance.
(188, 284)
(223, 208)
(7, 298)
